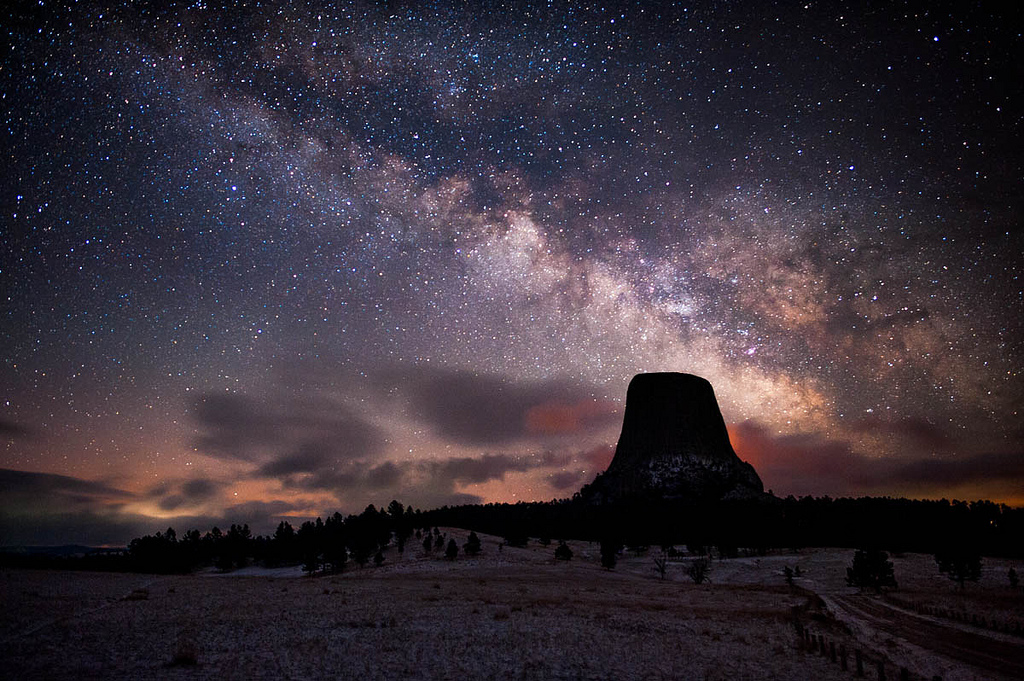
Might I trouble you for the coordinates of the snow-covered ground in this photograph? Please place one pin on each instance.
(509, 613)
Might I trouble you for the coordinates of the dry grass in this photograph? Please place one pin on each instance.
(514, 614)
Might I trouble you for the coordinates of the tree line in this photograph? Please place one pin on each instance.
(897, 525)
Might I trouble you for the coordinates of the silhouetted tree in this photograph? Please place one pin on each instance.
(428, 544)
(237, 545)
(311, 563)
(661, 565)
(516, 537)
(563, 552)
(1012, 576)
(472, 545)
(871, 568)
(308, 539)
(378, 558)
(960, 563)
(788, 571)
(452, 551)
(610, 552)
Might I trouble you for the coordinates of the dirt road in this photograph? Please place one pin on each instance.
(992, 654)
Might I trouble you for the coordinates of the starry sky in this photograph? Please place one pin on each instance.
(271, 260)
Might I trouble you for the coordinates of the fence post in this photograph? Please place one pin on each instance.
(860, 662)
(842, 657)
(881, 670)
(832, 650)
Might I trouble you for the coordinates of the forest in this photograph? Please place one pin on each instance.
(330, 545)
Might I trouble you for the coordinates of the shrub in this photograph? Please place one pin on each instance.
(871, 568)
(452, 550)
(699, 570)
(610, 553)
(563, 552)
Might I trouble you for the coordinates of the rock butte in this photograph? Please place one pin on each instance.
(673, 445)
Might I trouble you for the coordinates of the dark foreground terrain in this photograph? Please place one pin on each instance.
(510, 613)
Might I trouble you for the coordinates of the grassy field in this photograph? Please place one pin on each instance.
(509, 613)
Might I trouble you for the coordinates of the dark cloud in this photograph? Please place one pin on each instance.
(473, 470)
(26, 491)
(567, 480)
(920, 432)
(1004, 468)
(199, 489)
(486, 409)
(811, 464)
(599, 457)
(10, 429)
(806, 464)
(45, 509)
(286, 435)
(386, 475)
(422, 483)
(310, 458)
(171, 502)
(259, 514)
(57, 528)
(172, 495)
(234, 426)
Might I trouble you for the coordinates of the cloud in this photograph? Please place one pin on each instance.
(26, 492)
(259, 514)
(172, 495)
(811, 464)
(310, 458)
(599, 457)
(917, 431)
(486, 409)
(285, 435)
(10, 429)
(566, 480)
(1004, 468)
(806, 463)
(568, 418)
(43, 509)
(421, 483)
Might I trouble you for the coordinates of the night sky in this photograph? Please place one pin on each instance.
(272, 261)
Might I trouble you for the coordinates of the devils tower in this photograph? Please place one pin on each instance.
(673, 445)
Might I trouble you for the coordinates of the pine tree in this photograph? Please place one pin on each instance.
(960, 563)
(452, 550)
(871, 568)
(472, 545)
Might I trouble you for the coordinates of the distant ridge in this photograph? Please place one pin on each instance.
(673, 445)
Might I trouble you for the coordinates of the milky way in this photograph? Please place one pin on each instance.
(274, 261)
